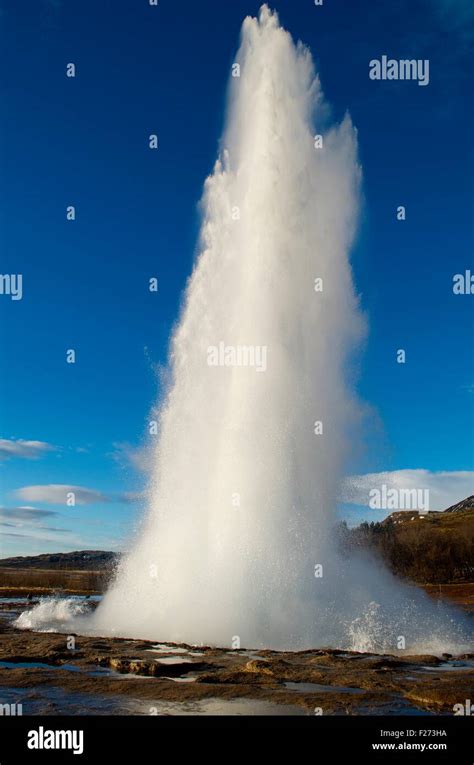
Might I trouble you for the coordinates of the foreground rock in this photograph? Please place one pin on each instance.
(103, 675)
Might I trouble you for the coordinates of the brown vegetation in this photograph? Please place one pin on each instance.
(437, 548)
(35, 581)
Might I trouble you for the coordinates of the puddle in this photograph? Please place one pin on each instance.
(215, 707)
(355, 656)
(447, 666)
(103, 672)
(97, 672)
(20, 601)
(163, 648)
(317, 688)
(253, 656)
(53, 700)
(187, 679)
(394, 709)
(130, 676)
(38, 665)
(173, 660)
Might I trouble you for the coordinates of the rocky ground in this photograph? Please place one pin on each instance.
(116, 676)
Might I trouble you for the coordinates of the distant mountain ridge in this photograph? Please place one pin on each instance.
(466, 504)
(404, 516)
(79, 560)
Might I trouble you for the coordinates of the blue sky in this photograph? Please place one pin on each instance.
(83, 141)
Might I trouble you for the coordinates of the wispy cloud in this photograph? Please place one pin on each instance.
(30, 521)
(69, 495)
(139, 457)
(445, 487)
(130, 497)
(47, 535)
(33, 530)
(24, 449)
(61, 494)
(25, 513)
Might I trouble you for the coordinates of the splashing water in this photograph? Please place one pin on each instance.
(243, 497)
(53, 614)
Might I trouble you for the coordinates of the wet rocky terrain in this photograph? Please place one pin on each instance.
(47, 675)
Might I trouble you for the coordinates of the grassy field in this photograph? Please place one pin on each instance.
(459, 594)
(20, 582)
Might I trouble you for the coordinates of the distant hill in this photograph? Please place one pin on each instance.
(466, 504)
(79, 560)
(428, 548)
(465, 507)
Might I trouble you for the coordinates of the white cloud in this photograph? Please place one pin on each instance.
(131, 497)
(59, 493)
(46, 535)
(445, 487)
(32, 528)
(139, 457)
(24, 513)
(23, 449)
(27, 524)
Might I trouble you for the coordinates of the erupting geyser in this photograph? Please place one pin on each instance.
(245, 483)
